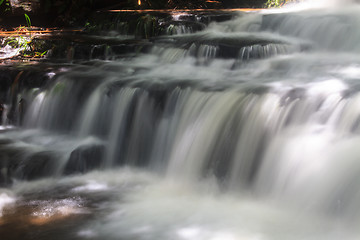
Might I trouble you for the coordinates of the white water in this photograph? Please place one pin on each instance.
(144, 206)
(246, 130)
(5, 200)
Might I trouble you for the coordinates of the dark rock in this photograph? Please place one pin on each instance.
(38, 165)
(84, 159)
(23, 164)
(5, 141)
(10, 160)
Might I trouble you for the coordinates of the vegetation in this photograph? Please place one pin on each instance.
(277, 3)
(22, 40)
(4, 6)
(76, 14)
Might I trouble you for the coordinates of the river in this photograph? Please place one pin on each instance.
(223, 126)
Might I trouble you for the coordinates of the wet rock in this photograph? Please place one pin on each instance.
(5, 141)
(152, 24)
(91, 48)
(181, 27)
(10, 160)
(38, 165)
(23, 6)
(22, 163)
(6, 78)
(84, 159)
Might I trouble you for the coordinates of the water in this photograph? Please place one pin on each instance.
(244, 129)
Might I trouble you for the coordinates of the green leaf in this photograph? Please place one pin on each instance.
(28, 21)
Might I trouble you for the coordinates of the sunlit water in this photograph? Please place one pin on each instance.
(245, 130)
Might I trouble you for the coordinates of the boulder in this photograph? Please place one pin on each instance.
(37, 165)
(85, 158)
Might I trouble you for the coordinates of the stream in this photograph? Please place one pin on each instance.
(187, 125)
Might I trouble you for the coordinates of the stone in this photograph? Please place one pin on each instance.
(84, 159)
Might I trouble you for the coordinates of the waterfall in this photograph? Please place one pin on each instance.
(244, 128)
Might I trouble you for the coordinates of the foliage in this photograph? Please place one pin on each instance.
(25, 46)
(28, 21)
(22, 40)
(18, 41)
(4, 6)
(278, 3)
(274, 3)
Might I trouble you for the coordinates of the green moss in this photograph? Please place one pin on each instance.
(59, 88)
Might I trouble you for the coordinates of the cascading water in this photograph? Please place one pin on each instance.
(244, 129)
